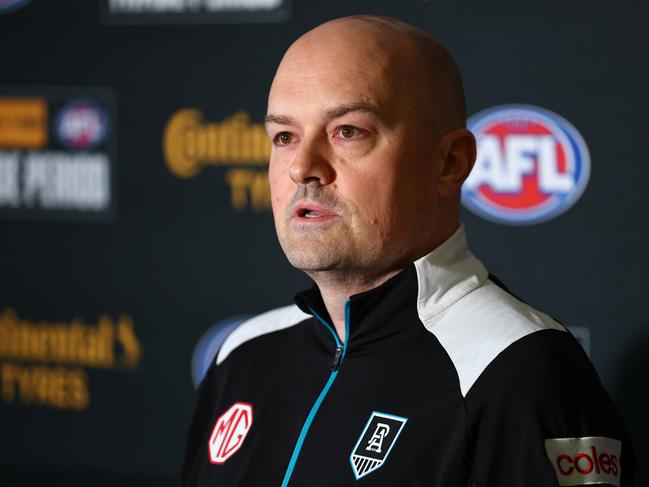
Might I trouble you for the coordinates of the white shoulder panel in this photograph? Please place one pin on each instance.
(480, 325)
(268, 322)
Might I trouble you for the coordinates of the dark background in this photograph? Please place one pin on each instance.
(178, 258)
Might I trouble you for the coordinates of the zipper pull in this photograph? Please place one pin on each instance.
(337, 358)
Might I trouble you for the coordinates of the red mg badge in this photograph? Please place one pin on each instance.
(229, 432)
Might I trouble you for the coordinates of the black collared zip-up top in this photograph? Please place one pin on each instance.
(444, 380)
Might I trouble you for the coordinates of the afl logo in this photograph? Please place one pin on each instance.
(81, 125)
(532, 165)
(7, 5)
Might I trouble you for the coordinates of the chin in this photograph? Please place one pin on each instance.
(312, 261)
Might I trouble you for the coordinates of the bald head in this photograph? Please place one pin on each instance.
(369, 150)
(397, 55)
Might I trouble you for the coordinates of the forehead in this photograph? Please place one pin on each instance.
(342, 67)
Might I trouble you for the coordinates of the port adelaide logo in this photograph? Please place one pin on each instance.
(376, 441)
(532, 165)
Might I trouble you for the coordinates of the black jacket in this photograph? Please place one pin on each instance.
(445, 380)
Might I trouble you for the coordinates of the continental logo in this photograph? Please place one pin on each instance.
(46, 363)
(23, 122)
(190, 143)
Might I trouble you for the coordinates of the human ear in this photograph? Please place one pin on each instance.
(458, 153)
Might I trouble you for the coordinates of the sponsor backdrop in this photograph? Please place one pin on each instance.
(134, 203)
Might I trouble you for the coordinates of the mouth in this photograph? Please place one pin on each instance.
(306, 212)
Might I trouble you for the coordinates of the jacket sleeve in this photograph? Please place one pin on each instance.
(539, 416)
(202, 419)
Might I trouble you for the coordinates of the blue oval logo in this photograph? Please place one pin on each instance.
(532, 165)
(7, 5)
(209, 344)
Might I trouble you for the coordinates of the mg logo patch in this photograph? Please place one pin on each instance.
(376, 441)
(229, 432)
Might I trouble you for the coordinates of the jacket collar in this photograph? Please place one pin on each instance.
(422, 290)
(446, 275)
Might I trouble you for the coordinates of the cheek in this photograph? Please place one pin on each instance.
(278, 183)
(374, 199)
(394, 202)
(280, 191)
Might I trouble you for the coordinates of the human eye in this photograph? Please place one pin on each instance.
(348, 132)
(283, 138)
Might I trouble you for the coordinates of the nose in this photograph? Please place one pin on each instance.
(311, 164)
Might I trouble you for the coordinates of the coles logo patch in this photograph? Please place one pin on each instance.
(532, 165)
(585, 461)
(229, 432)
(81, 125)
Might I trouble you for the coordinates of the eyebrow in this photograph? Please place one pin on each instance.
(279, 119)
(341, 110)
(328, 114)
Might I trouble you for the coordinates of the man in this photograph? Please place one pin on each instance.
(406, 365)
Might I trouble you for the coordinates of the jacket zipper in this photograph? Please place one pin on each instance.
(339, 356)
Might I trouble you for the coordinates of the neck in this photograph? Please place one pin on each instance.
(337, 287)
